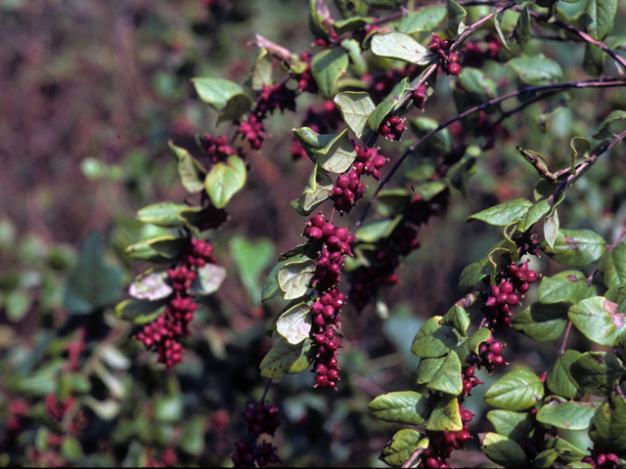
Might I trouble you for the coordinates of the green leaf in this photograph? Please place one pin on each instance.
(384, 4)
(609, 425)
(560, 380)
(598, 319)
(355, 107)
(92, 283)
(503, 450)
(319, 18)
(402, 445)
(448, 378)
(338, 155)
(456, 15)
(613, 125)
(262, 70)
(391, 103)
(504, 214)
(378, 229)
(316, 191)
(521, 34)
(406, 407)
(538, 210)
(427, 368)
(143, 251)
(326, 67)
(71, 449)
(192, 438)
(295, 276)
(140, 311)
(545, 459)
(190, 171)
(401, 46)
(17, 304)
(568, 453)
(577, 247)
(537, 70)
(435, 145)
(168, 246)
(613, 268)
(285, 358)
(551, 227)
(472, 344)
(350, 8)
(151, 285)
(445, 416)
(518, 390)
(554, 105)
(209, 279)
(295, 323)
(251, 258)
(597, 372)
(478, 86)
(350, 24)
(561, 413)
(513, 425)
(598, 17)
(225, 179)
(566, 287)
(271, 288)
(472, 274)
(458, 318)
(165, 214)
(226, 97)
(540, 322)
(424, 19)
(434, 340)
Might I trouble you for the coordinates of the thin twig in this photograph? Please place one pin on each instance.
(267, 388)
(567, 329)
(601, 83)
(409, 462)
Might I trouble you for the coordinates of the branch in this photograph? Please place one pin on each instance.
(409, 462)
(601, 83)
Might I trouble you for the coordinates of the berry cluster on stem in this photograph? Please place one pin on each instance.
(165, 333)
(441, 444)
(326, 308)
(348, 187)
(514, 282)
(448, 61)
(261, 418)
(600, 458)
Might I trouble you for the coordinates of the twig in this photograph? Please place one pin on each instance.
(601, 83)
(267, 388)
(409, 462)
(567, 329)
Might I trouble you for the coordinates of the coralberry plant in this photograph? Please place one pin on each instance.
(375, 74)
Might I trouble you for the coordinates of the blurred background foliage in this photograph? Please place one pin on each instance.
(90, 94)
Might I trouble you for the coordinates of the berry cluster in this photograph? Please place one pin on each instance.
(600, 458)
(528, 243)
(476, 52)
(503, 297)
(489, 357)
(349, 188)
(419, 97)
(326, 308)
(263, 455)
(165, 333)
(275, 97)
(261, 418)
(323, 42)
(253, 131)
(306, 81)
(392, 127)
(216, 148)
(57, 409)
(441, 444)
(17, 410)
(449, 61)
